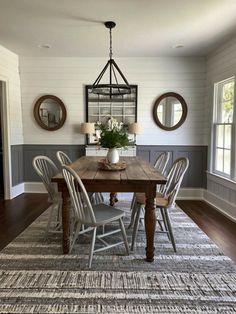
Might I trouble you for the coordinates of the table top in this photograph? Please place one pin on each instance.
(138, 172)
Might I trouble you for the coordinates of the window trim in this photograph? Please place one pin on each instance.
(216, 106)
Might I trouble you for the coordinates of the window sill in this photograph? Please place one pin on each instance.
(221, 180)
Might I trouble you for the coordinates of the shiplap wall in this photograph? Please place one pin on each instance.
(66, 77)
(220, 65)
(9, 72)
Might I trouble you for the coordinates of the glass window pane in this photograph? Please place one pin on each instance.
(223, 119)
(227, 102)
(220, 136)
(227, 161)
(219, 159)
(227, 142)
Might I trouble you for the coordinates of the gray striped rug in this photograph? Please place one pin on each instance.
(36, 278)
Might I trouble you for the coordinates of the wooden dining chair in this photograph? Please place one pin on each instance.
(46, 169)
(160, 165)
(92, 215)
(165, 200)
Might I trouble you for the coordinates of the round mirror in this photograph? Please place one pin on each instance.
(170, 111)
(50, 112)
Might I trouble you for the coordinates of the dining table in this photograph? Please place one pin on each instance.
(138, 175)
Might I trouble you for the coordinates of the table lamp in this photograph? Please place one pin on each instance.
(134, 128)
(87, 128)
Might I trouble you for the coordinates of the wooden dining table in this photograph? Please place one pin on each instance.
(138, 176)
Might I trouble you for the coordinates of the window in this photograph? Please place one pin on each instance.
(223, 129)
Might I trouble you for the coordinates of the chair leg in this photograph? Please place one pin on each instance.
(75, 236)
(133, 209)
(169, 228)
(136, 223)
(92, 247)
(59, 216)
(124, 235)
(159, 220)
(49, 220)
(142, 214)
(100, 197)
(163, 216)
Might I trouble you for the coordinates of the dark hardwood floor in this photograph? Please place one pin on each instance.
(19, 213)
(219, 228)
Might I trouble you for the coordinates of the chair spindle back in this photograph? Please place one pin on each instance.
(79, 197)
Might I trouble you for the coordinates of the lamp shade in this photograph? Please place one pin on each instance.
(134, 128)
(87, 128)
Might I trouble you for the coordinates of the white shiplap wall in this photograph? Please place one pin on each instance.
(220, 65)
(9, 72)
(66, 77)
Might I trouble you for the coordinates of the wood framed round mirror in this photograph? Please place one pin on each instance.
(50, 112)
(170, 111)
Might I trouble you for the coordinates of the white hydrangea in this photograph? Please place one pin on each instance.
(113, 124)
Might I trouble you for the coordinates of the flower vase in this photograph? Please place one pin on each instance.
(113, 155)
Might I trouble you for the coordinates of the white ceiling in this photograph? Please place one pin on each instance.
(145, 28)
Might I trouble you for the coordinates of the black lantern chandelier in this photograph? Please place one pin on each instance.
(113, 87)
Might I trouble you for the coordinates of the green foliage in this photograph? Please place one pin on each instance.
(113, 134)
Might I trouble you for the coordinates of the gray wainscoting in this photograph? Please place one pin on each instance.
(195, 177)
(17, 164)
(22, 156)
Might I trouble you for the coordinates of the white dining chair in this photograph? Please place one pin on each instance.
(160, 165)
(95, 197)
(165, 200)
(63, 158)
(46, 169)
(92, 215)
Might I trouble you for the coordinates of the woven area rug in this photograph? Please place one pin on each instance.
(36, 278)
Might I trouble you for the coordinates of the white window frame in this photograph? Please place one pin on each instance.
(232, 175)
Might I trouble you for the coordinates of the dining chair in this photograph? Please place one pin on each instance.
(63, 158)
(95, 197)
(160, 165)
(46, 169)
(165, 200)
(92, 215)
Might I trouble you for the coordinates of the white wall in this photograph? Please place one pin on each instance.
(66, 77)
(220, 65)
(9, 72)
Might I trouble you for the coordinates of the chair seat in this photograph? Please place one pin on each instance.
(105, 214)
(159, 200)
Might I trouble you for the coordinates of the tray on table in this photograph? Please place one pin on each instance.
(104, 164)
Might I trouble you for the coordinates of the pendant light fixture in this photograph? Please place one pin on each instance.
(112, 74)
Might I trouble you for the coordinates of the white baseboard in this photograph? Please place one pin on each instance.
(226, 208)
(34, 187)
(185, 193)
(17, 190)
(191, 194)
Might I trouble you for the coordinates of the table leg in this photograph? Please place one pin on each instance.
(113, 198)
(150, 222)
(65, 220)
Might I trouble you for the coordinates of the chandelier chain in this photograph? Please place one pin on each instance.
(110, 54)
(112, 87)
